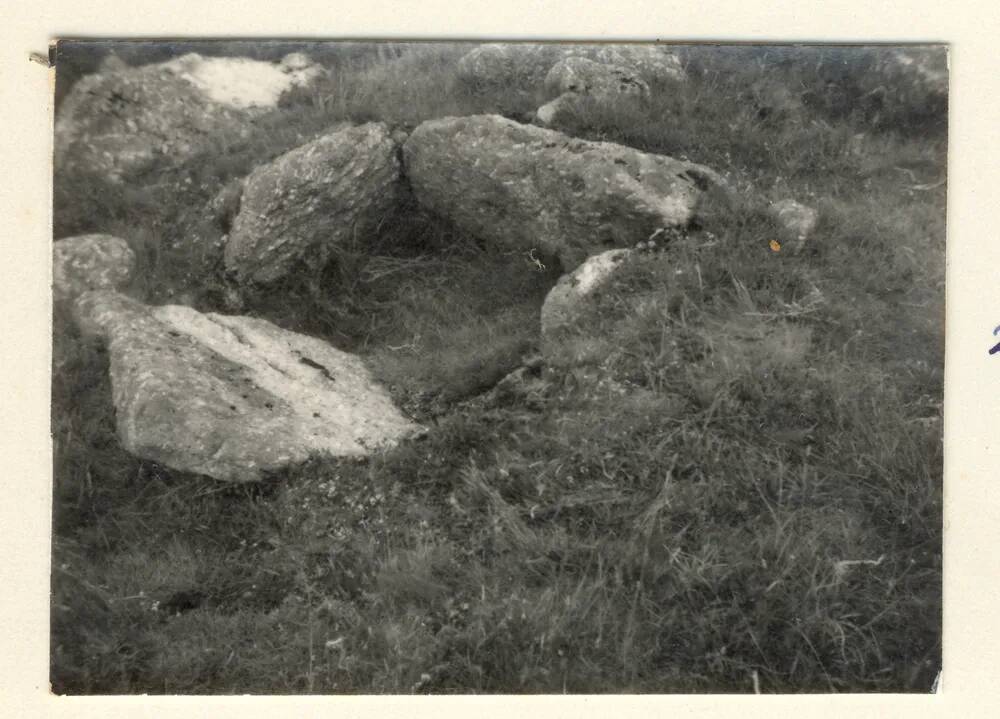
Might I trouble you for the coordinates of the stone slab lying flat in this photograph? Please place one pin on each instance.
(233, 397)
(527, 187)
(523, 66)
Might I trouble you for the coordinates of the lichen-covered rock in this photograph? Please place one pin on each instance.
(574, 78)
(90, 262)
(546, 114)
(586, 77)
(565, 301)
(124, 121)
(798, 221)
(313, 199)
(508, 66)
(528, 187)
(233, 397)
(652, 63)
(522, 67)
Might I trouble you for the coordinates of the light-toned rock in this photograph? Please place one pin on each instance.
(651, 62)
(299, 62)
(233, 397)
(90, 262)
(797, 219)
(576, 77)
(587, 77)
(312, 200)
(528, 187)
(523, 66)
(124, 121)
(547, 113)
(565, 301)
(241, 82)
(508, 66)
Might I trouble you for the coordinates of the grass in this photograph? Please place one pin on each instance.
(726, 474)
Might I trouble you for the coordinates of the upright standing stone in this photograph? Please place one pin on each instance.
(312, 201)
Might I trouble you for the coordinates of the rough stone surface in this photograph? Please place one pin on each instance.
(528, 187)
(547, 113)
(312, 200)
(576, 77)
(586, 77)
(124, 121)
(90, 262)
(798, 220)
(652, 63)
(524, 66)
(508, 66)
(233, 397)
(564, 301)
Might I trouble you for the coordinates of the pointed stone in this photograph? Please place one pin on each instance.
(233, 397)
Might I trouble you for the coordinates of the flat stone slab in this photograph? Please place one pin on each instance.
(529, 187)
(234, 397)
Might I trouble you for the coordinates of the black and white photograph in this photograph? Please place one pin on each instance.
(497, 367)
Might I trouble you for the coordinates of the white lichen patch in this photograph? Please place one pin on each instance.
(241, 82)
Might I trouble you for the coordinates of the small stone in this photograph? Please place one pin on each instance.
(798, 221)
(565, 301)
(600, 80)
(90, 262)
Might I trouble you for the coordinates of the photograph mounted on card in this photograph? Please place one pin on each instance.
(497, 368)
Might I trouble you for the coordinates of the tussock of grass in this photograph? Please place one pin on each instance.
(729, 466)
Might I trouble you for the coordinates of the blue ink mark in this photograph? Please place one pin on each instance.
(996, 347)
